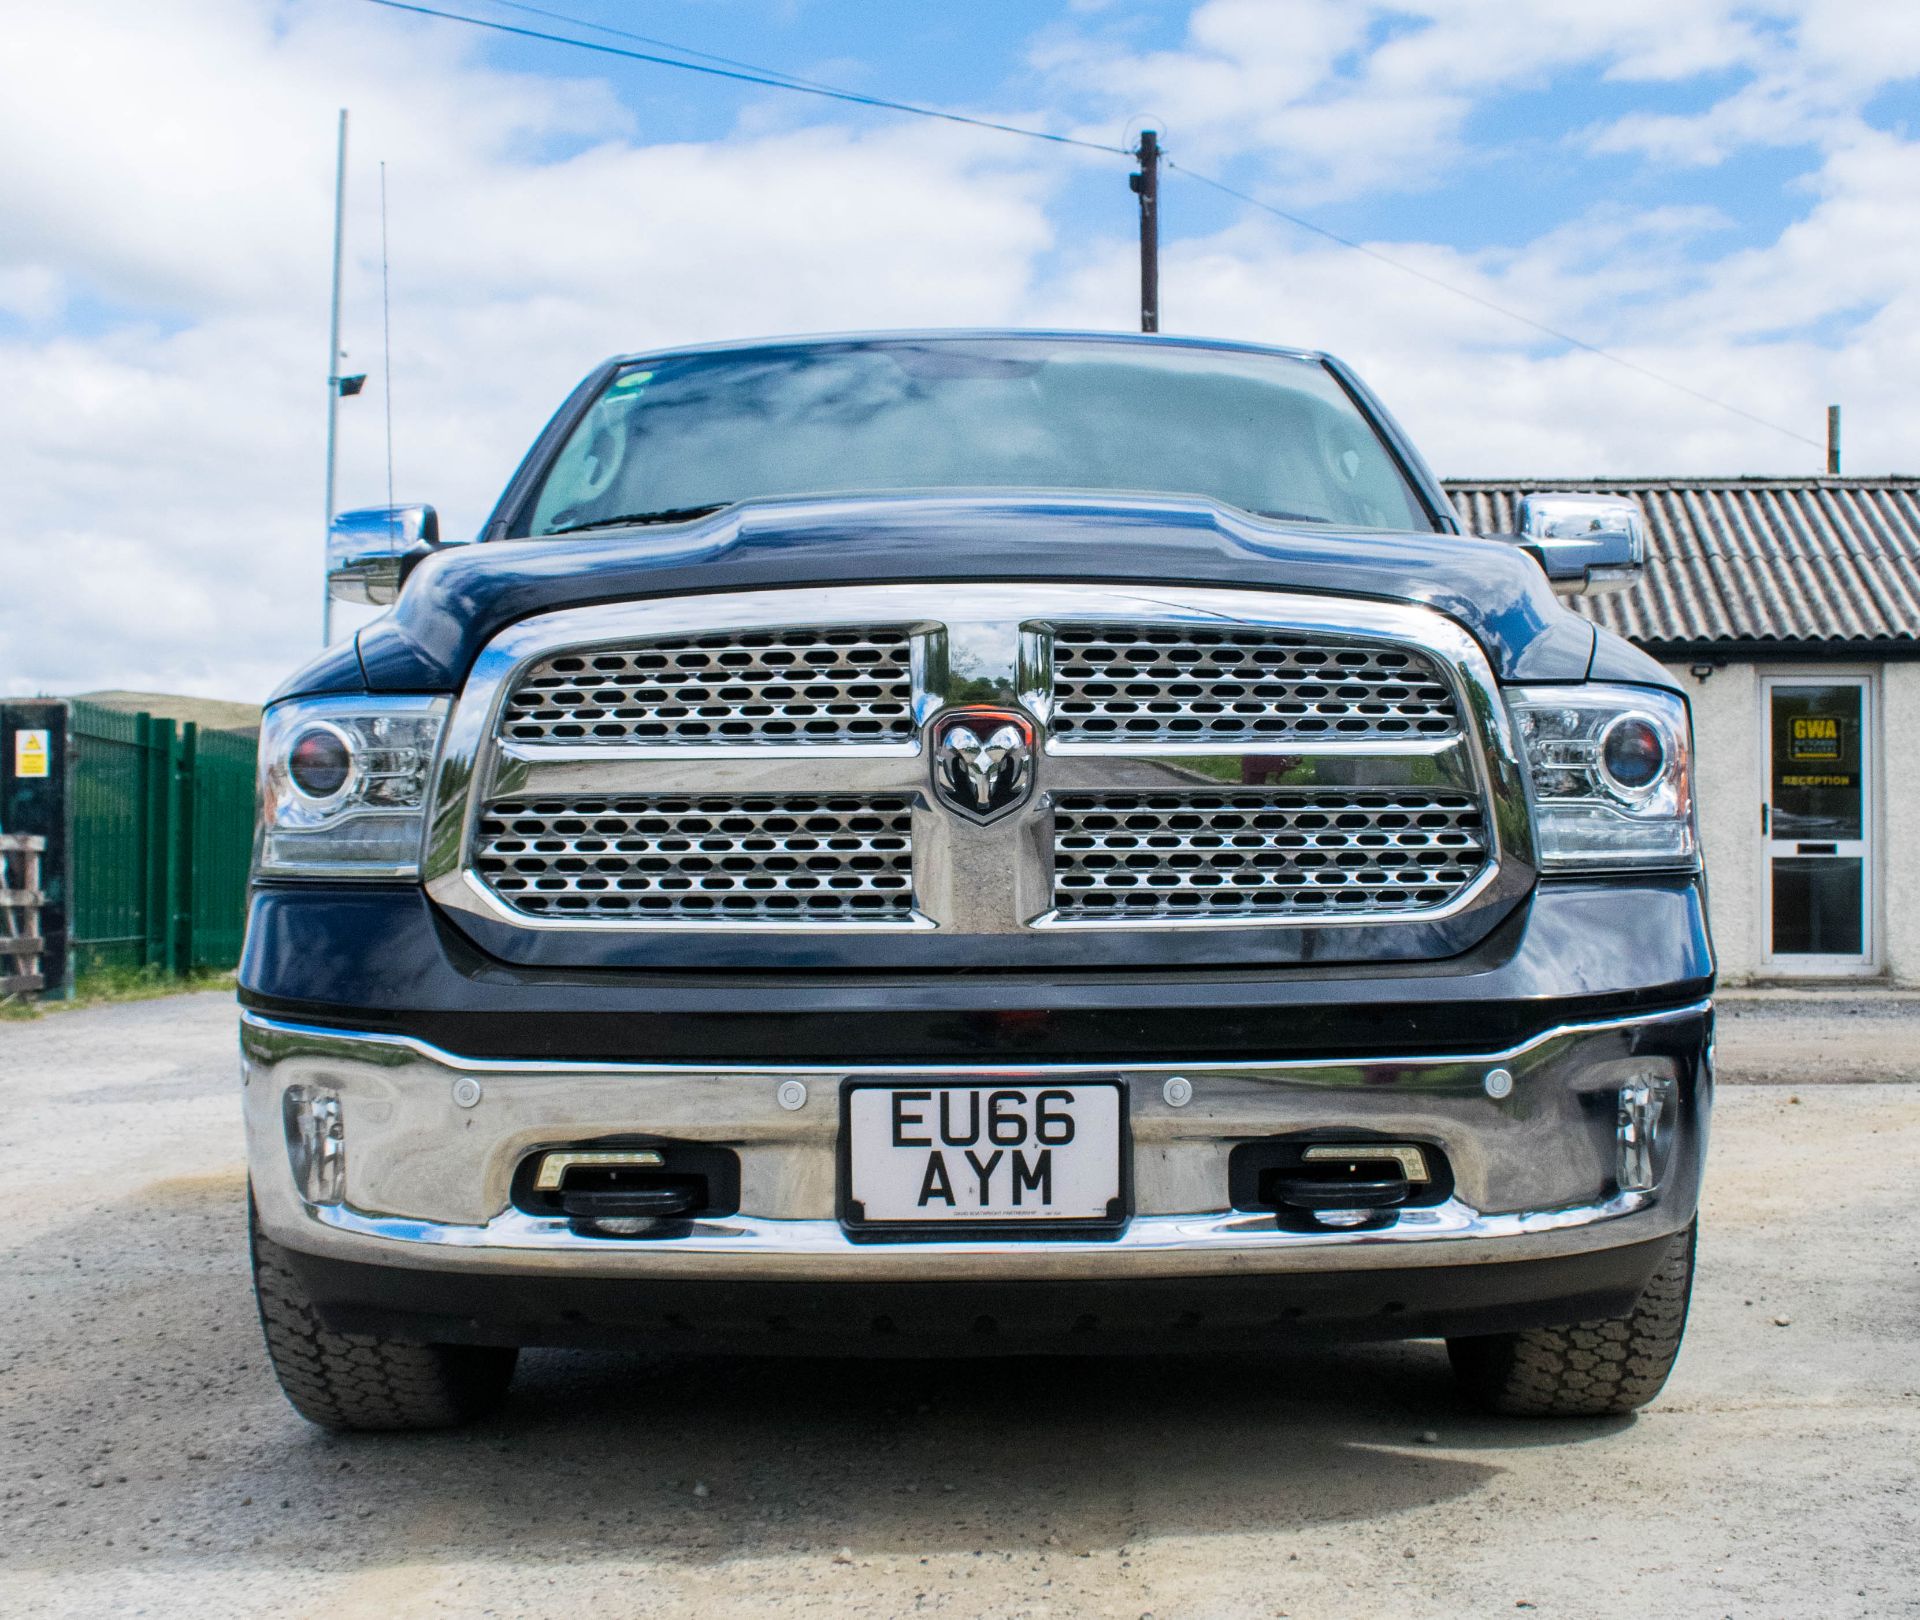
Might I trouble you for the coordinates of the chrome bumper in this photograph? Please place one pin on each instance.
(432, 1141)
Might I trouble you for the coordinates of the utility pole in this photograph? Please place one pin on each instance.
(1833, 441)
(1146, 185)
(334, 379)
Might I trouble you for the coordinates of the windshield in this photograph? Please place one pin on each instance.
(1267, 433)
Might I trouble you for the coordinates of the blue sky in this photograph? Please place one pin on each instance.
(1720, 191)
(1524, 171)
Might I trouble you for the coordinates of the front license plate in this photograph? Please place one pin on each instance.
(971, 1153)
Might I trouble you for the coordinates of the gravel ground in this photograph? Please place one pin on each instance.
(1801, 1038)
(149, 1466)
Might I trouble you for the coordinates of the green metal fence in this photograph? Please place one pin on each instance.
(108, 766)
(222, 845)
(162, 831)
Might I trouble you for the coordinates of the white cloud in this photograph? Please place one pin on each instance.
(1336, 97)
(30, 292)
(164, 477)
(1807, 85)
(1347, 98)
(164, 268)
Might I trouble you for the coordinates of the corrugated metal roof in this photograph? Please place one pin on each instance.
(1830, 560)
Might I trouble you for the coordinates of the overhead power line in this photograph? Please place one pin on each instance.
(742, 76)
(663, 44)
(722, 67)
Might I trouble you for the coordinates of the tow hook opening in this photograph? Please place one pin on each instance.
(1337, 1182)
(649, 1189)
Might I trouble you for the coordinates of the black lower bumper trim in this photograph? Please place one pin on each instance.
(1004, 1318)
(367, 958)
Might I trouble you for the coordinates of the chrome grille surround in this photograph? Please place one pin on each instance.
(995, 644)
(813, 684)
(1279, 852)
(1149, 682)
(764, 858)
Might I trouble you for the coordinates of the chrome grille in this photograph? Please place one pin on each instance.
(1183, 683)
(1279, 852)
(1234, 757)
(814, 858)
(820, 685)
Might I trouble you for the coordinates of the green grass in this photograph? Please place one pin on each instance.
(95, 987)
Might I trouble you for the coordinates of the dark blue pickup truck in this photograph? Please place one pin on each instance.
(1008, 842)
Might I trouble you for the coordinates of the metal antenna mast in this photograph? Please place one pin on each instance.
(333, 371)
(386, 334)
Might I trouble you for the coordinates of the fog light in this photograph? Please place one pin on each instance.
(1642, 1103)
(316, 1142)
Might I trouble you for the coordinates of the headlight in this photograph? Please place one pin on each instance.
(343, 785)
(1610, 770)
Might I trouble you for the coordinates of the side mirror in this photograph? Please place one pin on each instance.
(370, 552)
(1588, 544)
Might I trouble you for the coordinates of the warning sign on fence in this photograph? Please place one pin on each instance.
(30, 753)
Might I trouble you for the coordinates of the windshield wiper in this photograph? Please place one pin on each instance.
(1291, 517)
(670, 514)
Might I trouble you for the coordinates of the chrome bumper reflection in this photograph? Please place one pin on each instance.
(432, 1140)
(744, 1247)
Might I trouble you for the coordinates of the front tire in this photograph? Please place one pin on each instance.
(348, 1381)
(1591, 1369)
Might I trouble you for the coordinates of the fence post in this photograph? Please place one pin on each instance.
(143, 835)
(162, 753)
(179, 851)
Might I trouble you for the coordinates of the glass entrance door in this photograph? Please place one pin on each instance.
(1816, 824)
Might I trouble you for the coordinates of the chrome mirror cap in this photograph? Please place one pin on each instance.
(1588, 544)
(366, 550)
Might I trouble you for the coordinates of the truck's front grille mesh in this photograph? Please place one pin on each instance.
(1187, 683)
(822, 685)
(1233, 757)
(813, 858)
(1345, 851)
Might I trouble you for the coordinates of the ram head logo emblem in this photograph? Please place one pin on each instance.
(982, 761)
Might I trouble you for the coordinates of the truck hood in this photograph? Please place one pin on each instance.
(459, 599)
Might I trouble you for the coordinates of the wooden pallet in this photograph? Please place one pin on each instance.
(21, 897)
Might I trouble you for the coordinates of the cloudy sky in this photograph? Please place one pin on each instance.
(1719, 192)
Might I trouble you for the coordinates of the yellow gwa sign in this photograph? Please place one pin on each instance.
(1815, 736)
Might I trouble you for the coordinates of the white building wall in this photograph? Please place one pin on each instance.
(1729, 788)
(1726, 749)
(1899, 829)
